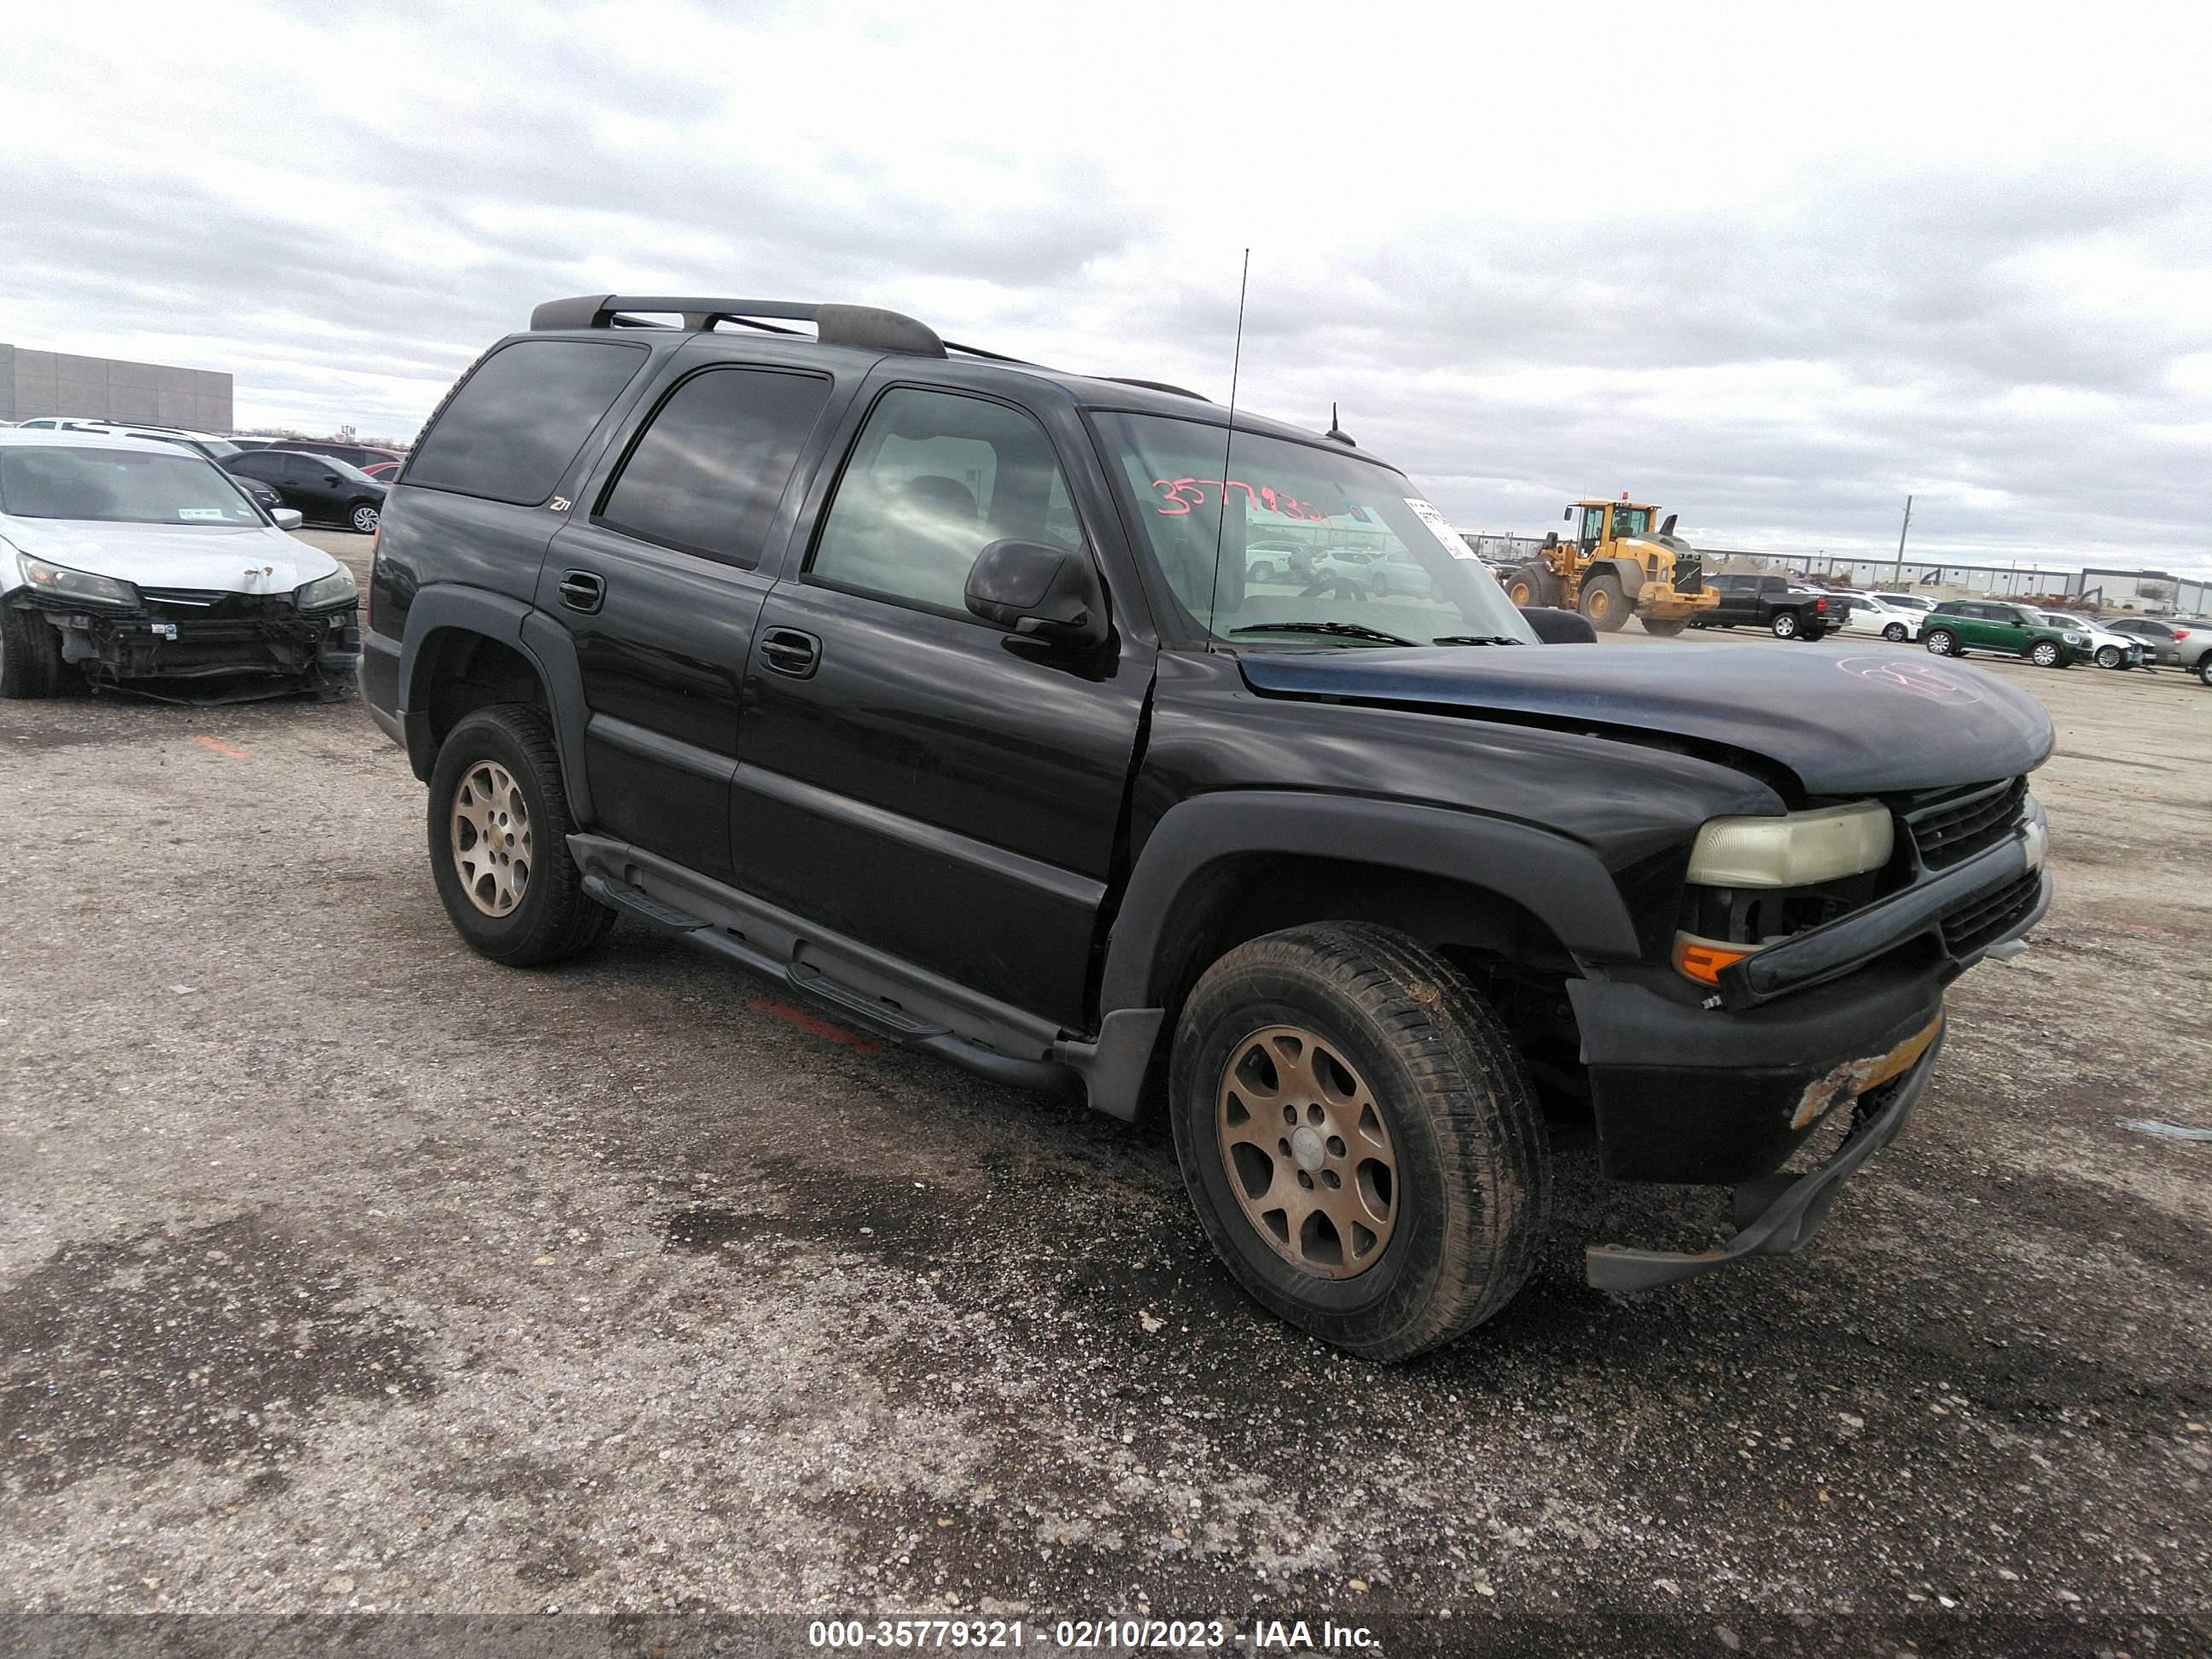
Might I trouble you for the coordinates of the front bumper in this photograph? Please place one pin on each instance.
(263, 642)
(1723, 1090)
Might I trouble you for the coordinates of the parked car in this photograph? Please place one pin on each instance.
(889, 676)
(2107, 649)
(204, 443)
(127, 562)
(264, 495)
(1957, 626)
(1787, 611)
(2176, 644)
(1875, 614)
(1400, 574)
(321, 486)
(383, 471)
(353, 454)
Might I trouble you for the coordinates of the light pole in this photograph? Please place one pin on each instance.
(1896, 577)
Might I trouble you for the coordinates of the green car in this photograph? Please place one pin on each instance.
(1957, 626)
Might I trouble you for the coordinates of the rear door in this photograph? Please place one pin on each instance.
(913, 777)
(658, 584)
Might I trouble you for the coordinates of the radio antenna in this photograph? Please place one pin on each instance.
(1228, 445)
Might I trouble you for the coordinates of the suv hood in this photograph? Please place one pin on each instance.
(1850, 725)
(210, 557)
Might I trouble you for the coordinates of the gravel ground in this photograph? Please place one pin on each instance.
(342, 1270)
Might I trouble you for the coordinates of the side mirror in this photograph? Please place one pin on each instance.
(288, 518)
(1049, 593)
(1555, 626)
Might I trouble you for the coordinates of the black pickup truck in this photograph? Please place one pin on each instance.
(1772, 603)
(936, 686)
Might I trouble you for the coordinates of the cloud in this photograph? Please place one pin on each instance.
(1772, 273)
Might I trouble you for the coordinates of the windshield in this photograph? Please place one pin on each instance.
(119, 486)
(1313, 536)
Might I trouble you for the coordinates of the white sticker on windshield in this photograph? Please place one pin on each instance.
(1455, 543)
(203, 513)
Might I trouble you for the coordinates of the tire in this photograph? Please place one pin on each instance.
(30, 655)
(1603, 605)
(1379, 586)
(1814, 634)
(1665, 629)
(1783, 625)
(363, 516)
(1462, 1141)
(1533, 585)
(1942, 643)
(544, 916)
(2204, 668)
(1261, 571)
(2046, 653)
(2111, 656)
(1894, 633)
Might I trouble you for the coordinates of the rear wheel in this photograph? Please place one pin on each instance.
(2046, 653)
(1259, 571)
(1358, 1136)
(499, 842)
(1785, 625)
(1942, 643)
(1602, 605)
(2204, 668)
(363, 516)
(30, 654)
(1665, 628)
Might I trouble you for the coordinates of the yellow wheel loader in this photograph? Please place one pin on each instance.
(1617, 565)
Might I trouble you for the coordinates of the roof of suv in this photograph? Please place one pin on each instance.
(869, 333)
(45, 437)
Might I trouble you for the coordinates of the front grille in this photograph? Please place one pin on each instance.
(1689, 573)
(1989, 916)
(201, 604)
(1953, 827)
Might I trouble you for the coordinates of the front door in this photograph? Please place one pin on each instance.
(911, 776)
(658, 585)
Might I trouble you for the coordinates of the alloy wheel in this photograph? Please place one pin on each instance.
(1306, 1151)
(491, 838)
(364, 520)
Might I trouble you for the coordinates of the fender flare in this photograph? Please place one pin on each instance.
(543, 643)
(1560, 881)
(1629, 572)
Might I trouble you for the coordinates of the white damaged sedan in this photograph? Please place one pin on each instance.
(135, 565)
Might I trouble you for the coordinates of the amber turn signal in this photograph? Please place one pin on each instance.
(1702, 960)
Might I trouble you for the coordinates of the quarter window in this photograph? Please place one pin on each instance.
(707, 474)
(935, 479)
(513, 425)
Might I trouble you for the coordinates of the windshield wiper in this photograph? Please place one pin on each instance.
(1475, 639)
(1343, 629)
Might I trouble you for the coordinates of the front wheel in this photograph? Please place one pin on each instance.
(2204, 668)
(1358, 1137)
(30, 654)
(1603, 604)
(2111, 656)
(1942, 643)
(1894, 633)
(499, 842)
(1785, 625)
(363, 516)
(2045, 654)
(1665, 628)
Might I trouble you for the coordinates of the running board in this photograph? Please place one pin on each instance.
(880, 1017)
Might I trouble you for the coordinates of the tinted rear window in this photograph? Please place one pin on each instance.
(710, 469)
(511, 430)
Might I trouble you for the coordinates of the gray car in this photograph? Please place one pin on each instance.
(2176, 642)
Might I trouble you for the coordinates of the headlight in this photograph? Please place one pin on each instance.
(1793, 850)
(81, 586)
(326, 591)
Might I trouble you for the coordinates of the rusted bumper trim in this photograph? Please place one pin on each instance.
(1786, 1210)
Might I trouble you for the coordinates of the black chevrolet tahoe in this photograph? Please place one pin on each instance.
(940, 687)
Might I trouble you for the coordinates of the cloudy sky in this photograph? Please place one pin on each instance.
(1771, 265)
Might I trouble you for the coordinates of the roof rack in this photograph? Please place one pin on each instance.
(834, 324)
(1157, 386)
